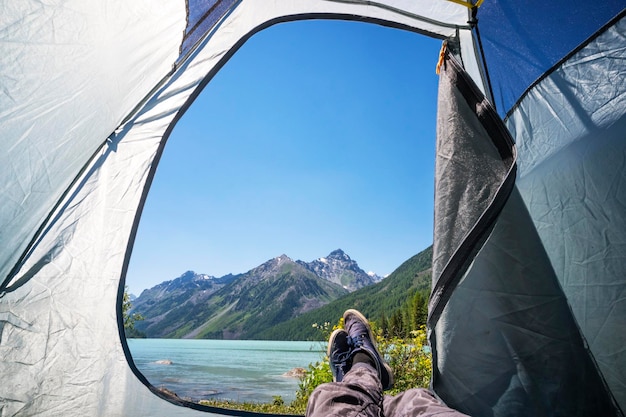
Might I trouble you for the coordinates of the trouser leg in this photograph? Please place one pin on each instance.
(358, 395)
(417, 402)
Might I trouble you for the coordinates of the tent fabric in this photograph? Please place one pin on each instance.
(510, 290)
(506, 343)
(523, 40)
(60, 355)
(202, 15)
(101, 112)
(474, 174)
(91, 91)
(53, 115)
(546, 289)
(571, 131)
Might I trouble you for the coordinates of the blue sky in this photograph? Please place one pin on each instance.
(316, 135)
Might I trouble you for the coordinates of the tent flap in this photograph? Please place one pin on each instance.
(474, 174)
(505, 341)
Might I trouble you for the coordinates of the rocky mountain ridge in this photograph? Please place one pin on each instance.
(339, 268)
(244, 305)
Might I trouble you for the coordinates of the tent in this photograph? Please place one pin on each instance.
(528, 309)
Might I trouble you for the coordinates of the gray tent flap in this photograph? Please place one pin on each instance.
(503, 336)
(474, 173)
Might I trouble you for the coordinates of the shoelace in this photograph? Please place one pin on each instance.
(357, 341)
(341, 357)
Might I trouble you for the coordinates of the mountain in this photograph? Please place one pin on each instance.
(235, 306)
(337, 267)
(382, 298)
(258, 303)
(188, 289)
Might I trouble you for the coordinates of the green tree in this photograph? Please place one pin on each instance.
(384, 325)
(130, 319)
(396, 326)
(415, 312)
(420, 312)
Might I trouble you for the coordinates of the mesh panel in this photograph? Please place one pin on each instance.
(202, 15)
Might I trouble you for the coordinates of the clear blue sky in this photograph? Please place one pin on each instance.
(316, 135)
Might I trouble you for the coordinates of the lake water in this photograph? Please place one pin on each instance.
(239, 370)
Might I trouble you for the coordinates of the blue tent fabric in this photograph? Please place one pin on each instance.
(521, 41)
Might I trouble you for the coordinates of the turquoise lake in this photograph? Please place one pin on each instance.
(239, 370)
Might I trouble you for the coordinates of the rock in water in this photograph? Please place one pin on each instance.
(295, 373)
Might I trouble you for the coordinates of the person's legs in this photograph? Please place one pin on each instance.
(356, 366)
(359, 394)
(357, 391)
(416, 402)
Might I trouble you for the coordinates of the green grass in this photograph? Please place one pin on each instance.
(278, 406)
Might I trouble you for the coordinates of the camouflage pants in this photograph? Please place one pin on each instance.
(360, 395)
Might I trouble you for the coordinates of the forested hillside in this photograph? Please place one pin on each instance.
(398, 303)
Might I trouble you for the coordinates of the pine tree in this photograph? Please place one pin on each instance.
(384, 325)
(396, 327)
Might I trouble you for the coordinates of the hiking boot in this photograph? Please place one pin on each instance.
(362, 340)
(339, 354)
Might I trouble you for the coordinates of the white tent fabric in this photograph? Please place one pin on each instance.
(74, 177)
(89, 92)
(69, 77)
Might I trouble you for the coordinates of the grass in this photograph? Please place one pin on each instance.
(278, 406)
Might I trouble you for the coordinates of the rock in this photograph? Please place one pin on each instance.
(168, 392)
(295, 373)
